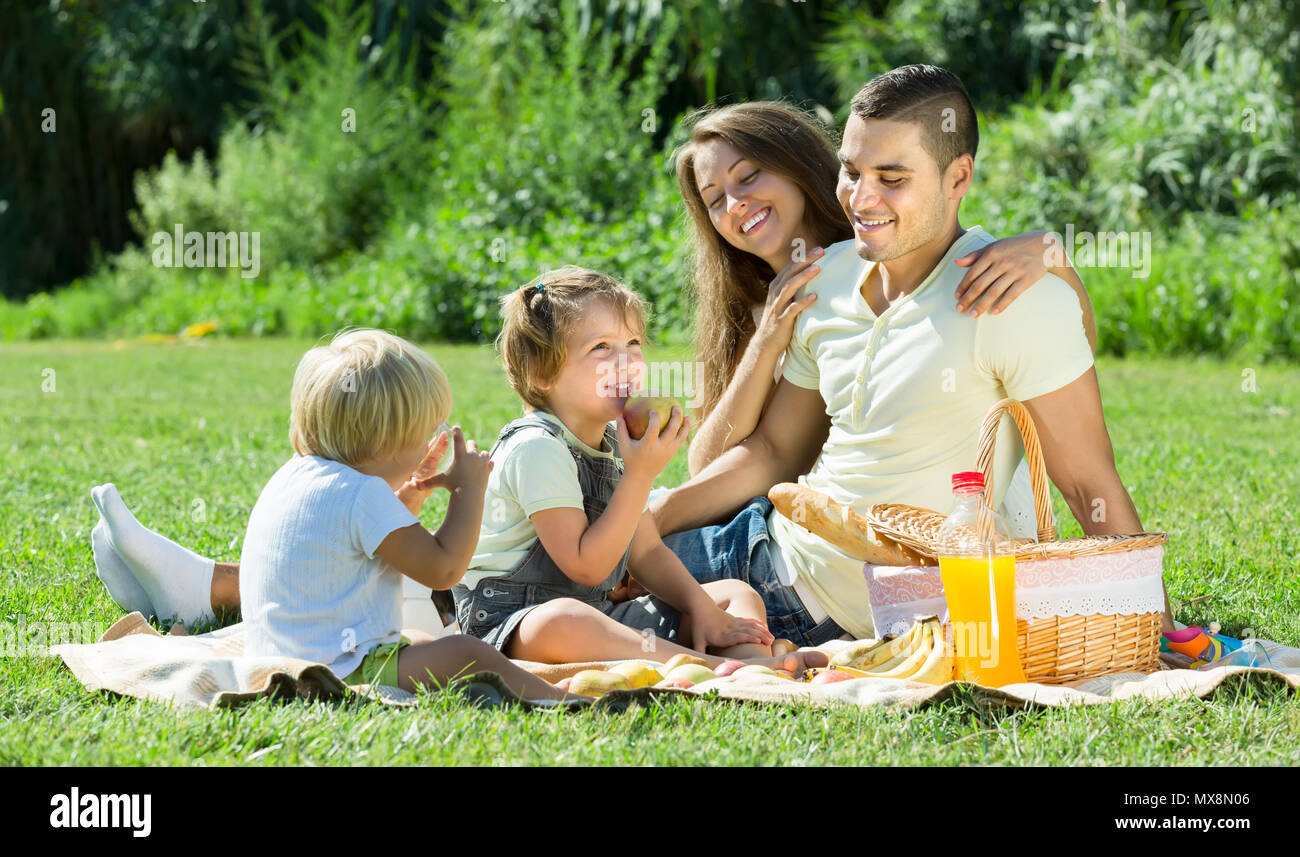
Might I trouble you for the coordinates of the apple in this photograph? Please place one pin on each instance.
(636, 413)
(676, 682)
(755, 669)
(694, 673)
(832, 676)
(597, 683)
(677, 660)
(637, 674)
(728, 667)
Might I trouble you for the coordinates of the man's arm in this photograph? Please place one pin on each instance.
(783, 447)
(1081, 462)
(1079, 457)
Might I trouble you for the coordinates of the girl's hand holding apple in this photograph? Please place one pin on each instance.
(648, 456)
(637, 410)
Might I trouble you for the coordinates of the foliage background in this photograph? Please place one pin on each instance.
(495, 140)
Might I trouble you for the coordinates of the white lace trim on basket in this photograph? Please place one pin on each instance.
(1117, 598)
(897, 619)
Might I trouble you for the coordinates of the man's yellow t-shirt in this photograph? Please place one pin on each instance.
(907, 392)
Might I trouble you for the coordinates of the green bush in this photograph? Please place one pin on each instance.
(1001, 49)
(534, 171)
(1218, 285)
(343, 134)
(126, 81)
(455, 266)
(539, 144)
(546, 114)
(1137, 140)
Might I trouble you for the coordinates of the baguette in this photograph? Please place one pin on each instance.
(839, 525)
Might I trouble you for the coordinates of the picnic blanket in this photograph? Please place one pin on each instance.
(210, 670)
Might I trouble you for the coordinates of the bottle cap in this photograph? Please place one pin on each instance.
(968, 482)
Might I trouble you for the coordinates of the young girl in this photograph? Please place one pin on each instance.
(335, 527)
(567, 500)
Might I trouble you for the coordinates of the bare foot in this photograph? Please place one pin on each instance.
(795, 662)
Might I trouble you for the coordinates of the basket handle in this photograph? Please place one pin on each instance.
(1034, 454)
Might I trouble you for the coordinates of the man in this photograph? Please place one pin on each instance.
(885, 384)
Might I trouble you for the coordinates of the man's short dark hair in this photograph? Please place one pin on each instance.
(931, 96)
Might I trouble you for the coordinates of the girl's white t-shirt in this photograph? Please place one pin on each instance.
(532, 471)
(310, 584)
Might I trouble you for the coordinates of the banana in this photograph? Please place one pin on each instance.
(914, 660)
(938, 665)
(918, 655)
(865, 653)
(889, 664)
(913, 638)
(597, 683)
(782, 646)
(900, 650)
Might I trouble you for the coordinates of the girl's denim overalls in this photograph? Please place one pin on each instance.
(497, 605)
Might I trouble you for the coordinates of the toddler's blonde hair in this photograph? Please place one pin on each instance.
(365, 395)
(539, 317)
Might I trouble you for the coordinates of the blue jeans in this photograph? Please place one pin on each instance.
(738, 551)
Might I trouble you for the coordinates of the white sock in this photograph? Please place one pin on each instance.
(122, 586)
(177, 581)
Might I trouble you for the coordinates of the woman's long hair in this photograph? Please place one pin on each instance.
(727, 282)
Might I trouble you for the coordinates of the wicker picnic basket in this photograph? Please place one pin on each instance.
(1056, 649)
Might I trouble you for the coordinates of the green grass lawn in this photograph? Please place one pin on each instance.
(190, 433)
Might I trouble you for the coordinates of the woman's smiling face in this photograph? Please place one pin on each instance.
(754, 210)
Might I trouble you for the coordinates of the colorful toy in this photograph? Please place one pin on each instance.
(1202, 647)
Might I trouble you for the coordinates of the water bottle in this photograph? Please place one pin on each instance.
(977, 561)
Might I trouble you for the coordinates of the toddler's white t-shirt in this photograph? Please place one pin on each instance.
(310, 584)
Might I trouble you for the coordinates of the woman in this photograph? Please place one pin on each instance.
(770, 155)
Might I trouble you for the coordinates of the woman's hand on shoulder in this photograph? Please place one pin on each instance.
(781, 310)
(1001, 272)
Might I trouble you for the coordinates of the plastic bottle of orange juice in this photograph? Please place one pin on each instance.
(977, 561)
